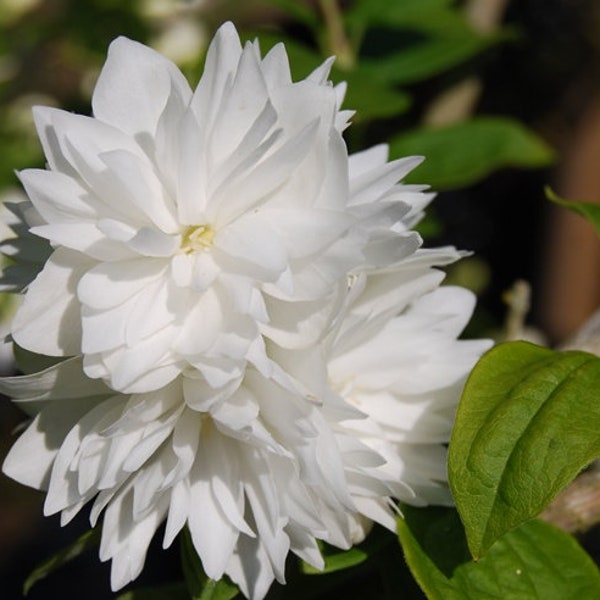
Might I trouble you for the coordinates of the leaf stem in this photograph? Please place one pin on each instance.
(337, 40)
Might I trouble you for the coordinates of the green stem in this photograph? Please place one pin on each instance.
(337, 40)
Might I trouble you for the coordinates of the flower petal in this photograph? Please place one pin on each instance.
(134, 87)
(48, 321)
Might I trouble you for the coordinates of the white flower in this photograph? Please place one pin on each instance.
(262, 474)
(265, 471)
(209, 250)
(192, 230)
(397, 358)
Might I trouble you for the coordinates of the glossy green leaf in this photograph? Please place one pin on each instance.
(171, 591)
(588, 210)
(200, 587)
(527, 423)
(461, 154)
(336, 560)
(536, 561)
(88, 540)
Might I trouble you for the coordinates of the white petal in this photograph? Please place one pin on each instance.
(62, 381)
(246, 191)
(64, 488)
(204, 271)
(369, 186)
(134, 86)
(126, 541)
(251, 240)
(269, 522)
(240, 108)
(146, 367)
(109, 284)
(57, 197)
(200, 395)
(250, 568)
(221, 63)
(191, 177)
(306, 232)
(367, 160)
(321, 73)
(141, 188)
(276, 67)
(40, 324)
(213, 535)
(178, 511)
(31, 457)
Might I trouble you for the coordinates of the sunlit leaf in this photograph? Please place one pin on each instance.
(533, 562)
(463, 153)
(200, 587)
(588, 210)
(527, 423)
(336, 560)
(88, 540)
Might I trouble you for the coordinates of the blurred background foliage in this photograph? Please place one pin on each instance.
(492, 92)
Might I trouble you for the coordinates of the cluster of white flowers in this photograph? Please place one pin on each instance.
(250, 340)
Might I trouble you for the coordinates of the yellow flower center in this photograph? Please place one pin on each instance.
(197, 238)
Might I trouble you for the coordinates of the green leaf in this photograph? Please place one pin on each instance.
(336, 560)
(463, 153)
(527, 423)
(299, 12)
(587, 210)
(436, 42)
(423, 60)
(393, 13)
(199, 585)
(170, 591)
(85, 542)
(370, 98)
(534, 562)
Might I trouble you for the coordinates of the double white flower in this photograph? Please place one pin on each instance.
(239, 296)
